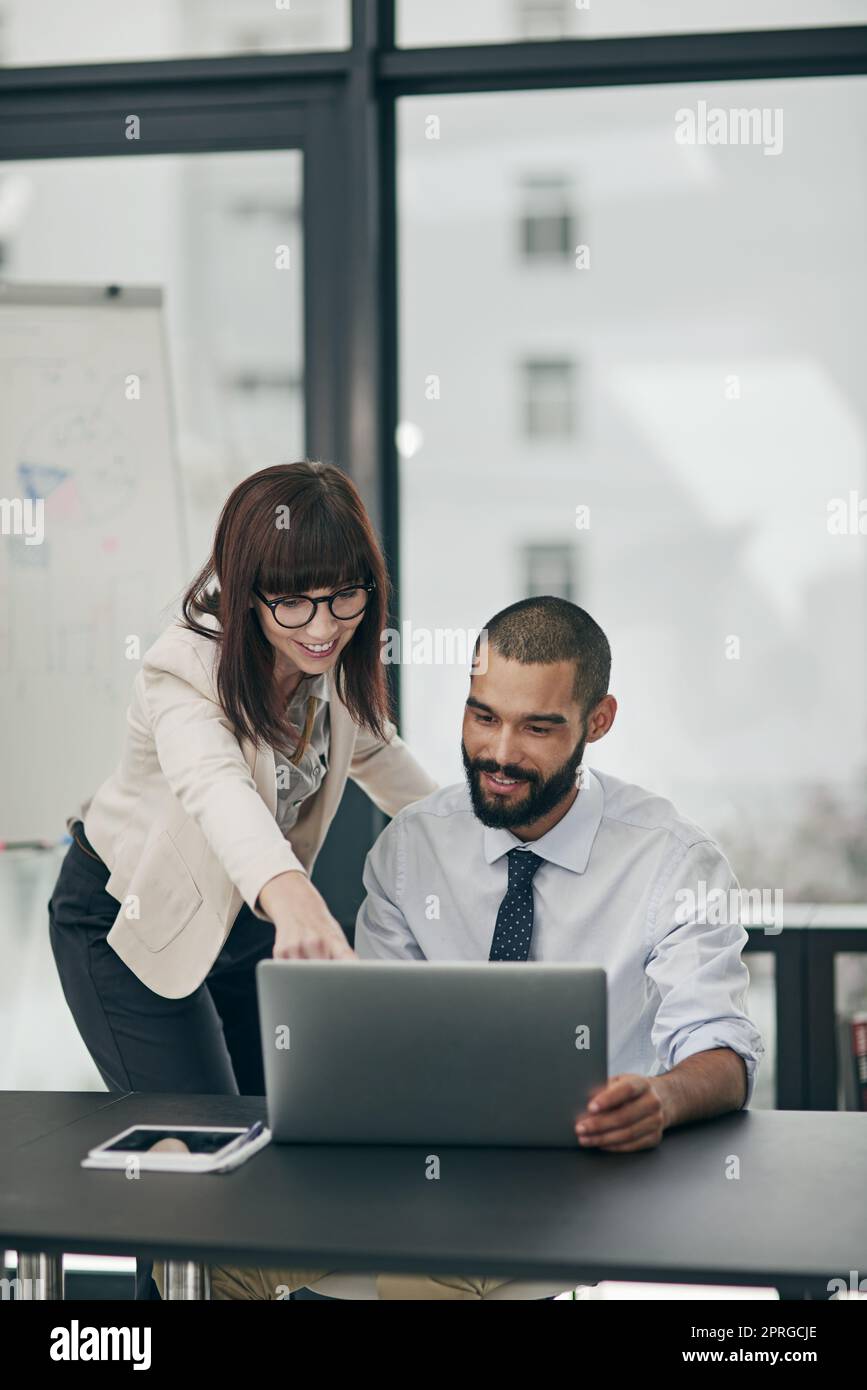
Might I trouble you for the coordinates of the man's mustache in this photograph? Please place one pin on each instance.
(507, 770)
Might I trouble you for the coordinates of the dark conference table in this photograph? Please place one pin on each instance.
(795, 1217)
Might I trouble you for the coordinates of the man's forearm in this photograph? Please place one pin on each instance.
(706, 1084)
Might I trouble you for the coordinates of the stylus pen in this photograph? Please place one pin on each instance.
(245, 1138)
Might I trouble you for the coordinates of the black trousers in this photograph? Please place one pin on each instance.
(206, 1043)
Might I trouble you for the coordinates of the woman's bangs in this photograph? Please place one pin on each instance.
(313, 553)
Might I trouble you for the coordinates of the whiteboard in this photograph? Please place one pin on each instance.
(87, 430)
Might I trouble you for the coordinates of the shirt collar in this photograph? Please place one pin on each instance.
(569, 842)
(315, 685)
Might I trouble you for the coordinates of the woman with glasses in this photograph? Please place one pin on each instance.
(191, 862)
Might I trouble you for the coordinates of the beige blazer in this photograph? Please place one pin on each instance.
(186, 823)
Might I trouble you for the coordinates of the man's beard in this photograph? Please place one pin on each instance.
(542, 795)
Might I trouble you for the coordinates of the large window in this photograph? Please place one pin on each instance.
(35, 32)
(714, 298)
(206, 229)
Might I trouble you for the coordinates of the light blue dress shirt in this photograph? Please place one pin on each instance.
(619, 868)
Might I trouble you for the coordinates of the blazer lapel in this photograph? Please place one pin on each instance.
(317, 811)
(341, 741)
(263, 766)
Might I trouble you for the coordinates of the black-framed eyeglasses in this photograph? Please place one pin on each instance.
(297, 610)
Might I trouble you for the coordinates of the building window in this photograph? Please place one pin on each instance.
(545, 19)
(547, 223)
(549, 569)
(549, 405)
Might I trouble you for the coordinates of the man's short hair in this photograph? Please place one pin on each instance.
(547, 629)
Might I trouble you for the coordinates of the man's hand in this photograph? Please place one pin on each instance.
(626, 1114)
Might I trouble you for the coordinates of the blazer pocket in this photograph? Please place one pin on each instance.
(167, 894)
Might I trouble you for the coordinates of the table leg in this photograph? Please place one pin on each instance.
(40, 1277)
(187, 1279)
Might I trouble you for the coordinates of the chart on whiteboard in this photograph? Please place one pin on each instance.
(90, 575)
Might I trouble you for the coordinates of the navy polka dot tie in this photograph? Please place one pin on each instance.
(514, 929)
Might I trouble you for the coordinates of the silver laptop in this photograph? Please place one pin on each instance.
(409, 1052)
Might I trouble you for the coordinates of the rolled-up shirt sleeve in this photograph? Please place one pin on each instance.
(696, 964)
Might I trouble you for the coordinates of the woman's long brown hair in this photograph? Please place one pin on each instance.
(328, 543)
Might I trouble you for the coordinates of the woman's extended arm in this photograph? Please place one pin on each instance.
(202, 761)
(203, 764)
(388, 771)
(304, 928)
